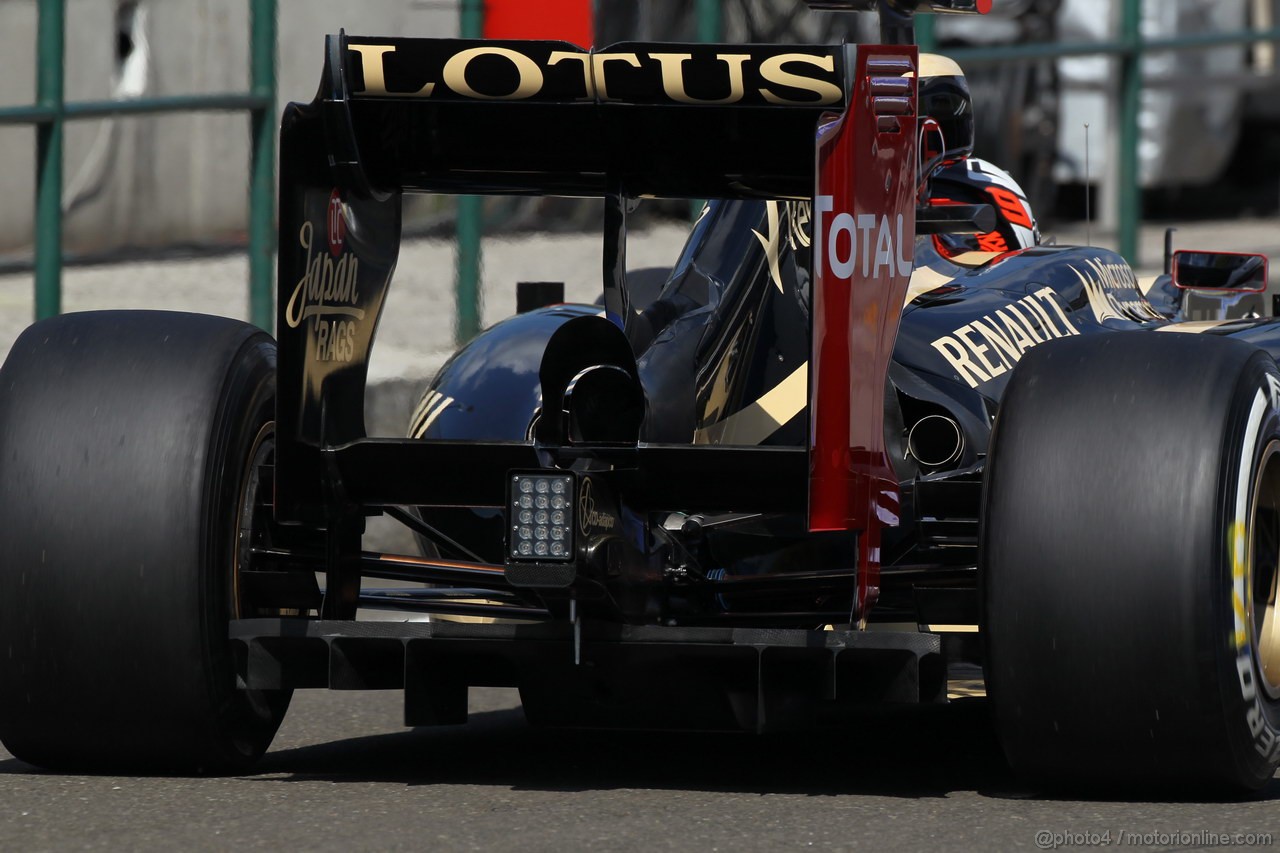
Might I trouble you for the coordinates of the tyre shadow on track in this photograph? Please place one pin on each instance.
(914, 753)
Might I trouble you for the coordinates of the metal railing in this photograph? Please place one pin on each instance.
(51, 111)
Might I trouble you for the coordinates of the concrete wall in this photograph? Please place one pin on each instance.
(179, 178)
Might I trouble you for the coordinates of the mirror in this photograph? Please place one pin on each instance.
(1220, 271)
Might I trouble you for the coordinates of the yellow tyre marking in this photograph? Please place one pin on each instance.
(1237, 534)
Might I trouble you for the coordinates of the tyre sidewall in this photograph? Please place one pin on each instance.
(1251, 718)
(243, 722)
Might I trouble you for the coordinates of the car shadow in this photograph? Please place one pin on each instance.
(924, 752)
(914, 753)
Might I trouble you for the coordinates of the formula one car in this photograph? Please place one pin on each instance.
(831, 458)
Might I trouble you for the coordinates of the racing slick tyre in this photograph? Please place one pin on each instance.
(130, 442)
(1128, 562)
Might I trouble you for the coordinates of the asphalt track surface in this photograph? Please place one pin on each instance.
(344, 775)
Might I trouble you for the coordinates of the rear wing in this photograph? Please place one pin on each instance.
(546, 117)
(510, 117)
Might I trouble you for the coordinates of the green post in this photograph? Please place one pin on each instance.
(262, 74)
(925, 33)
(470, 228)
(470, 219)
(710, 29)
(1128, 197)
(50, 94)
(710, 21)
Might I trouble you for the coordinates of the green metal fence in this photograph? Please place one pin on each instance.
(51, 112)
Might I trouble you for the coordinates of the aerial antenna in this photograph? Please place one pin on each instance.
(897, 25)
(1088, 191)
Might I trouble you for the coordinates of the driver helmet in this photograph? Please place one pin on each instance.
(961, 178)
(975, 181)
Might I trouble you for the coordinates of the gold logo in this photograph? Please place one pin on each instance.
(329, 286)
(790, 78)
(589, 517)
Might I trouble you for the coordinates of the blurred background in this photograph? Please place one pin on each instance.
(143, 130)
(1207, 115)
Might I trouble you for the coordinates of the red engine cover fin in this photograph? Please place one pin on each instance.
(864, 234)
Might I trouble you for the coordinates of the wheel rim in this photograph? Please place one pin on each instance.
(250, 524)
(1264, 569)
(251, 527)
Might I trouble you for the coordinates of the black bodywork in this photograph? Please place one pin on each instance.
(697, 572)
(745, 334)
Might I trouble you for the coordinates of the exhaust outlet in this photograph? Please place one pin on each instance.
(935, 441)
